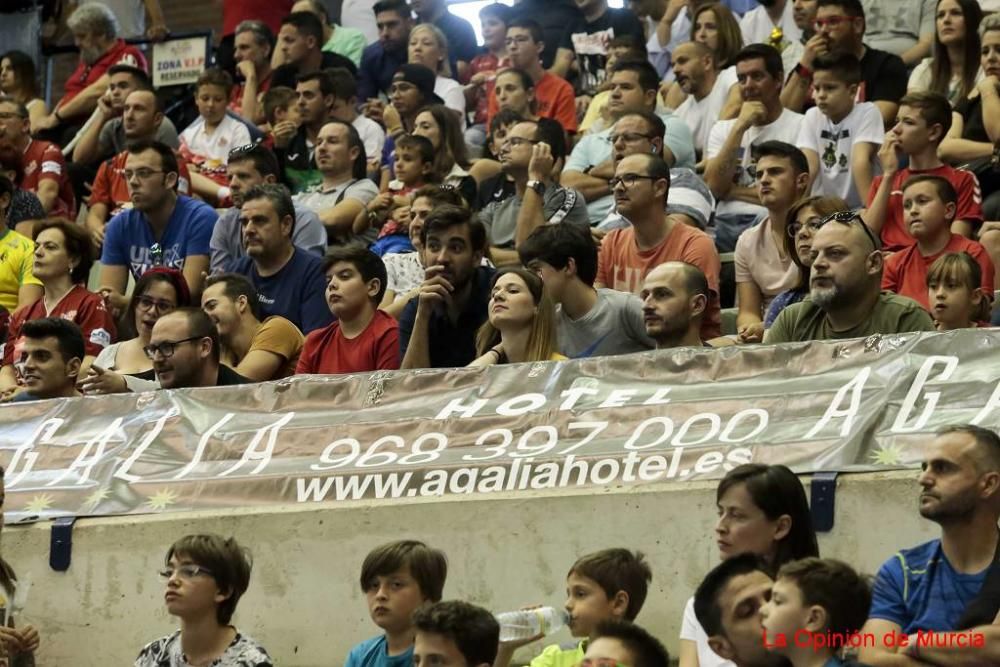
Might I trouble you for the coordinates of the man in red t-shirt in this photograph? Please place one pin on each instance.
(252, 50)
(929, 204)
(553, 95)
(640, 188)
(109, 195)
(42, 166)
(95, 33)
(924, 120)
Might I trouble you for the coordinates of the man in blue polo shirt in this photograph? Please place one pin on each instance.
(161, 229)
(289, 280)
(437, 329)
(928, 588)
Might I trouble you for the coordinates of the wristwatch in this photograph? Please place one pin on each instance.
(537, 186)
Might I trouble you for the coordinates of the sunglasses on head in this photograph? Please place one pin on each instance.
(848, 218)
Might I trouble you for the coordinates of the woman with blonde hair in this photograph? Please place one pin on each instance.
(428, 46)
(521, 323)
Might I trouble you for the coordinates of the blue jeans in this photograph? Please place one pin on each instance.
(729, 227)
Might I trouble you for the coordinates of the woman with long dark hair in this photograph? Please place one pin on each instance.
(762, 510)
(439, 125)
(19, 80)
(953, 69)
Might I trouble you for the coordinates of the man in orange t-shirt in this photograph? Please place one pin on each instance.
(929, 206)
(640, 188)
(553, 95)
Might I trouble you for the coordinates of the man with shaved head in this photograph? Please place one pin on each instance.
(674, 300)
(950, 583)
(845, 298)
(697, 73)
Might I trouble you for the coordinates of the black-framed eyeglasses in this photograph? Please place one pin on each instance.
(629, 137)
(143, 173)
(848, 218)
(166, 348)
(148, 303)
(628, 180)
(156, 254)
(813, 224)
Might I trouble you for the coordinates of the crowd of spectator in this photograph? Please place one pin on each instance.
(360, 208)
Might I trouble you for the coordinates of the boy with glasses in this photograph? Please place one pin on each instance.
(205, 575)
(845, 298)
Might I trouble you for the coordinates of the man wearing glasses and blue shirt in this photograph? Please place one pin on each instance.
(161, 229)
(184, 349)
(845, 295)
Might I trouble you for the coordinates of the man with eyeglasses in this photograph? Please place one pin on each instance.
(845, 297)
(640, 186)
(554, 96)
(531, 155)
(161, 229)
(634, 86)
(840, 28)
(142, 118)
(618, 643)
(689, 200)
(184, 349)
(42, 166)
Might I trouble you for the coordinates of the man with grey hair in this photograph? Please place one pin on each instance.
(132, 16)
(845, 298)
(252, 49)
(290, 281)
(96, 33)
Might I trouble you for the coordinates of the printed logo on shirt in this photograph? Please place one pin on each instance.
(51, 167)
(30, 168)
(100, 337)
(142, 261)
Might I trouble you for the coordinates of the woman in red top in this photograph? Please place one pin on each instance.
(64, 254)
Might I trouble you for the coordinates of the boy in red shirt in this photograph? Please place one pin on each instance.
(929, 204)
(363, 338)
(923, 121)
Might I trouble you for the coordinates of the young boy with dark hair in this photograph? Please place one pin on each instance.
(591, 322)
(816, 606)
(414, 168)
(362, 338)
(397, 578)
(923, 120)
(626, 645)
(206, 142)
(456, 634)
(605, 585)
(929, 204)
(840, 138)
(277, 103)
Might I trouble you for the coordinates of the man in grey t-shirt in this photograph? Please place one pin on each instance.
(530, 155)
(591, 322)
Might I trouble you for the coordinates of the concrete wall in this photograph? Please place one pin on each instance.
(304, 603)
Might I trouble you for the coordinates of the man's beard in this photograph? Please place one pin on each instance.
(91, 55)
(825, 297)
